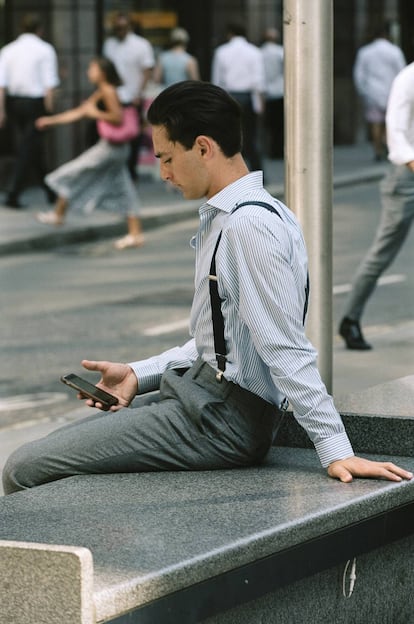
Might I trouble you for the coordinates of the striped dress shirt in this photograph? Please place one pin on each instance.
(261, 266)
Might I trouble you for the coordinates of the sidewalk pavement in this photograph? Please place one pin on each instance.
(20, 232)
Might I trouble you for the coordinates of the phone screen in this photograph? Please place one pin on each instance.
(88, 389)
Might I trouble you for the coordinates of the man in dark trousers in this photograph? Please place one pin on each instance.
(28, 77)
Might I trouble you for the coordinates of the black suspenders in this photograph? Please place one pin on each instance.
(217, 317)
(218, 321)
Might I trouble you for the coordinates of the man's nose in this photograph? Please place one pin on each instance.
(165, 173)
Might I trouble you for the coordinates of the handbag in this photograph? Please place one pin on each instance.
(127, 130)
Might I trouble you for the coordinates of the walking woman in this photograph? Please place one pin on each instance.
(99, 175)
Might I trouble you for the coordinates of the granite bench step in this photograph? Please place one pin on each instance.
(149, 540)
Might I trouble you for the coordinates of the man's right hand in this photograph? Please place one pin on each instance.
(117, 379)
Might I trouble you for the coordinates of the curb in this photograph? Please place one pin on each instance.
(152, 217)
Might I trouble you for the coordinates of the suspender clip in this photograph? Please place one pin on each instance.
(284, 405)
(221, 363)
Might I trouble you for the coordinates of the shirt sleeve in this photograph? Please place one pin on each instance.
(3, 72)
(399, 120)
(148, 60)
(271, 279)
(149, 371)
(50, 73)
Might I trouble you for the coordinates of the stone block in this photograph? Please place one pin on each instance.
(45, 583)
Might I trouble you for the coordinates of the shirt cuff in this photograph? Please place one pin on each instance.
(334, 448)
(148, 375)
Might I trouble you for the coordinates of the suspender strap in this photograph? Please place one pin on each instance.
(217, 317)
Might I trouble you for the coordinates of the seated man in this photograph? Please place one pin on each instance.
(222, 392)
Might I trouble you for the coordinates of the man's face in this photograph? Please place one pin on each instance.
(121, 28)
(184, 169)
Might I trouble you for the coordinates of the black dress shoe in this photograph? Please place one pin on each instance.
(350, 331)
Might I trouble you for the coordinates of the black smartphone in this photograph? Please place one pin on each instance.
(89, 390)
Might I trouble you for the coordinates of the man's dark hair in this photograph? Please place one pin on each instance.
(191, 108)
(235, 29)
(31, 23)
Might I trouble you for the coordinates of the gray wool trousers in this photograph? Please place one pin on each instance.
(397, 196)
(198, 423)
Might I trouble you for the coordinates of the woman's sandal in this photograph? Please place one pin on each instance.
(129, 241)
(49, 218)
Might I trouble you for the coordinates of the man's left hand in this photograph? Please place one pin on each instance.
(346, 469)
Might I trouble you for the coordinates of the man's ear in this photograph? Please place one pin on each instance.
(204, 145)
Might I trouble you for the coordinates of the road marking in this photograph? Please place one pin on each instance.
(26, 424)
(167, 328)
(26, 401)
(383, 281)
(340, 289)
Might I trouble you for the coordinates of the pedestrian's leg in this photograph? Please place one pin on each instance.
(397, 194)
(135, 228)
(132, 162)
(135, 237)
(378, 134)
(23, 124)
(56, 216)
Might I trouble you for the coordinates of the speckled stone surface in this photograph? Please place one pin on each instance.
(39, 583)
(394, 399)
(154, 533)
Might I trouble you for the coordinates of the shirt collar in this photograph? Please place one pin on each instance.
(227, 198)
(28, 37)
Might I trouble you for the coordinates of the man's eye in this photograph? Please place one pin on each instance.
(167, 161)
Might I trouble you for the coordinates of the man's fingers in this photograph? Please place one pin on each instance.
(88, 364)
(399, 473)
(346, 469)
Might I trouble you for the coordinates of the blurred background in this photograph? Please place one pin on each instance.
(78, 28)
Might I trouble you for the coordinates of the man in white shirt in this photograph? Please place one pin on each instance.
(397, 196)
(273, 55)
(376, 66)
(134, 60)
(238, 68)
(28, 77)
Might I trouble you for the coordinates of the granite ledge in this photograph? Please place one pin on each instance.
(153, 534)
(393, 399)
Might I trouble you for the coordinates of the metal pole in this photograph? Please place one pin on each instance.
(308, 165)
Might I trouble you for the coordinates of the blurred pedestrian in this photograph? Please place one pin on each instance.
(28, 78)
(272, 52)
(134, 59)
(375, 67)
(238, 68)
(99, 175)
(397, 197)
(176, 64)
